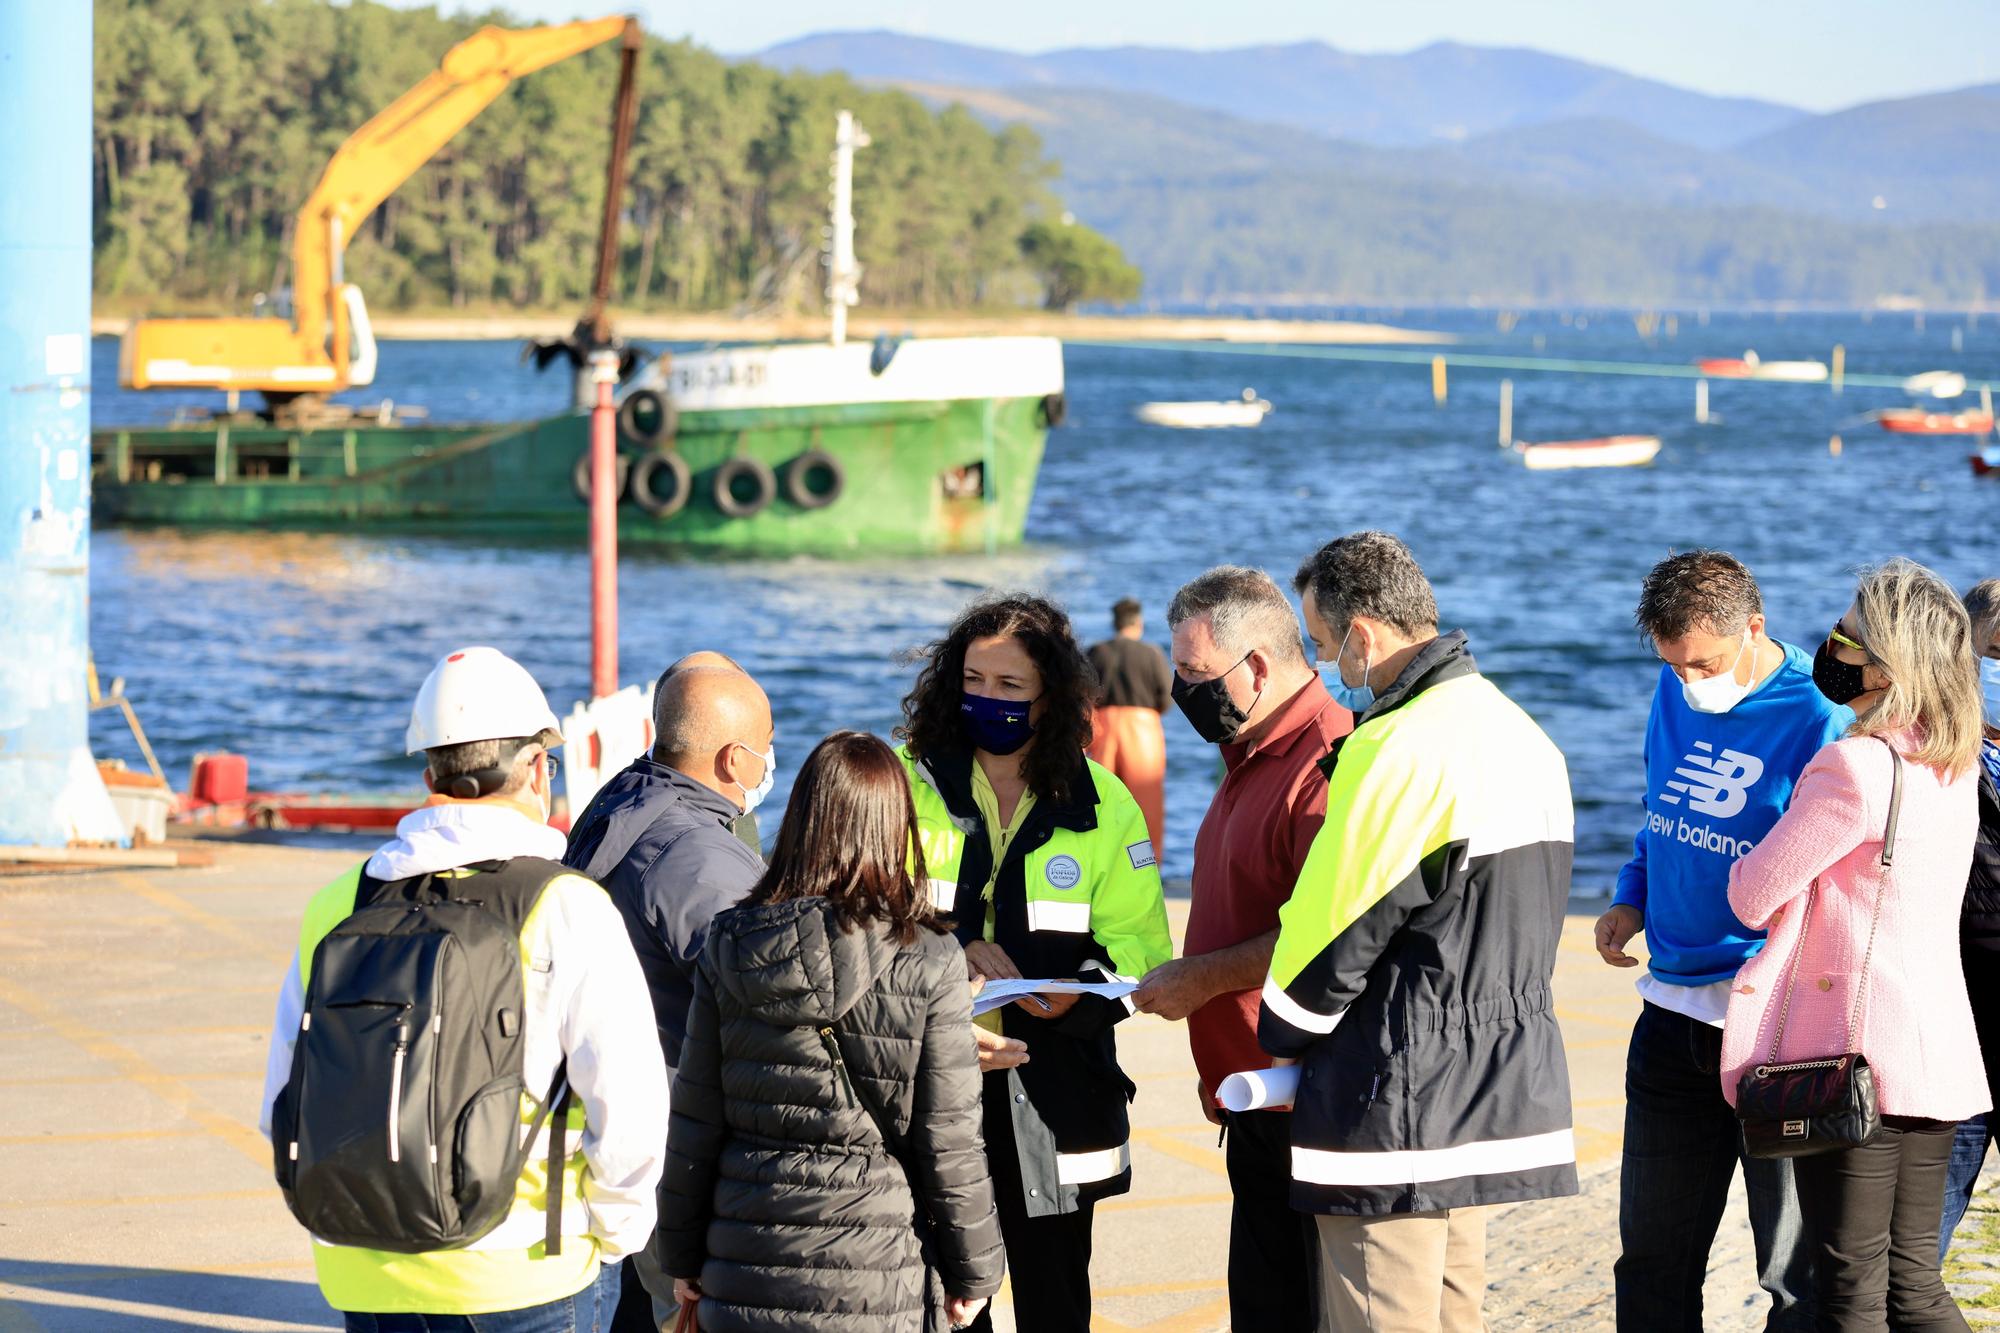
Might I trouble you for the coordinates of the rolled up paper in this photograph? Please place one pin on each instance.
(1259, 1089)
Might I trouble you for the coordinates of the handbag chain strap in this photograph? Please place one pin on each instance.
(1888, 859)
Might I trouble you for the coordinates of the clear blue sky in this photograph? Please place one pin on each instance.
(1818, 54)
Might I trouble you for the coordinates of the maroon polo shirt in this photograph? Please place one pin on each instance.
(1247, 857)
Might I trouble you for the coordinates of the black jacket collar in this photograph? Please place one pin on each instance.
(951, 774)
(1444, 658)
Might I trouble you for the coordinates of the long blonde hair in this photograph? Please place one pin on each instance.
(1916, 629)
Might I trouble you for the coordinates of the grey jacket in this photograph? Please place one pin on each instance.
(663, 847)
(780, 1195)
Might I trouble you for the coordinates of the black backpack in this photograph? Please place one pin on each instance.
(400, 1126)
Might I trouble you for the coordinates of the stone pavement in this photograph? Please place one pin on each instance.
(136, 1193)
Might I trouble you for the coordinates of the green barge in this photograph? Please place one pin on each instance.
(770, 451)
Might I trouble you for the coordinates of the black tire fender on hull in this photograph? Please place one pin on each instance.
(743, 468)
(648, 418)
(661, 484)
(579, 475)
(799, 479)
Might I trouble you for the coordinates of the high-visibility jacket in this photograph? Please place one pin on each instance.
(1412, 970)
(587, 1003)
(1078, 895)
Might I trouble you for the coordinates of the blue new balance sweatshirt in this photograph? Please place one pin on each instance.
(1715, 784)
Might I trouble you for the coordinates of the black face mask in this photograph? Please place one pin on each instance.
(1837, 680)
(1208, 708)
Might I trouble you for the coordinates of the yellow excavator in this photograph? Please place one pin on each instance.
(327, 345)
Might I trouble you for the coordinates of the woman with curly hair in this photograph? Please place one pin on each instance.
(1043, 859)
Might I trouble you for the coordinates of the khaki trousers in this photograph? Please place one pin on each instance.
(1403, 1272)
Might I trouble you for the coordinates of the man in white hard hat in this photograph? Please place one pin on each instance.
(584, 1024)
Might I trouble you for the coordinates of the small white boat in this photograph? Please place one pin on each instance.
(1935, 384)
(1607, 451)
(1750, 366)
(1248, 410)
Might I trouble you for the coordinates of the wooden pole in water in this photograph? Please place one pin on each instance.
(1839, 365)
(1437, 380)
(1701, 402)
(604, 529)
(1506, 414)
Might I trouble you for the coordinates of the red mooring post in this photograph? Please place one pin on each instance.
(604, 530)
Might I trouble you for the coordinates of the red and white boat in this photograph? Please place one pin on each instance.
(1750, 366)
(1607, 451)
(1986, 463)
(1916, 421)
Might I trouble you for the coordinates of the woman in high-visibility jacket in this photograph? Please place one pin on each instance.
(1043, 860)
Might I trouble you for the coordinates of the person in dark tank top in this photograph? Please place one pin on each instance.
(1135, 686)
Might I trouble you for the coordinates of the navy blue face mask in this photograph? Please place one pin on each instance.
(997, 726)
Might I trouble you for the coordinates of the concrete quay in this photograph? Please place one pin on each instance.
(136, 1192)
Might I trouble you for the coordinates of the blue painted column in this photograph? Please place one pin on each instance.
(50, 793)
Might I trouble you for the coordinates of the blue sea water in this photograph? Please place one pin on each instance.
(303, 651)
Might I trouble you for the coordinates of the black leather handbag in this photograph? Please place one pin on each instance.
(1825, 1105)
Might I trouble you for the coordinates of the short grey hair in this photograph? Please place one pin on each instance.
(1369, 574)
(448, 763)
(1246, 613)
(1694, 590)
(1982, 604)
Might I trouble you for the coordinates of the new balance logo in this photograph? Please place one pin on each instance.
(1715, 784)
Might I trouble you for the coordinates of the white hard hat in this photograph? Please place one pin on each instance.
(478, 694)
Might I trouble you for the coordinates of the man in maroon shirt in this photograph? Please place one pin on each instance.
(1243, 682)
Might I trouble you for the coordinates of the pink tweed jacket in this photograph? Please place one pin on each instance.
(1916, 1024)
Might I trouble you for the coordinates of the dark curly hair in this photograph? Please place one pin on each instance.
(931, 722)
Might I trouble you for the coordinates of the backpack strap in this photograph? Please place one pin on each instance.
(557, 1109)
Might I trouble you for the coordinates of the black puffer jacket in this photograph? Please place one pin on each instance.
(779, 1193)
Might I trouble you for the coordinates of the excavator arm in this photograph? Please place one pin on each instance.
(312, 353)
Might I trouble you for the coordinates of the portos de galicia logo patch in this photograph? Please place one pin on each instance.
(1063, 871)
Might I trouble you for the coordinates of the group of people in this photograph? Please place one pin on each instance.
(1818, 876)
(1378, 892)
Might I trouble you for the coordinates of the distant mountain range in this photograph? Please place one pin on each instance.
(1442, 92)
(1220, 173)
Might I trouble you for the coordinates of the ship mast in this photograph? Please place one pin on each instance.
(843, 274)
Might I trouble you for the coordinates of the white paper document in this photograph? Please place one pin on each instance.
(1259, 1089)
(996, 993)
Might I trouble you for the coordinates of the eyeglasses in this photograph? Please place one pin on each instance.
(555, 764)
(1835, 636)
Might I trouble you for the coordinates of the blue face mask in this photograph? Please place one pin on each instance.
(1354, 698)
(997, 726)
(1989, 688)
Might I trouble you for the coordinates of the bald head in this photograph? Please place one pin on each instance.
(705, 658)
(714, 725)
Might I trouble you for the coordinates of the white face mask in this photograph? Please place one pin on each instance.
(1989, 688)
(1720, 693)
(754, 796)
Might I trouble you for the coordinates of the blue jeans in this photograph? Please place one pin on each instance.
(1682, 1147)
(1968, 1154)
(589, 1311)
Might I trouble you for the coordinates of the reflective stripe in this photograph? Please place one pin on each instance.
(944, 893)
(1300, 1017)
(1418, 1165)
(1085, 1168)
(1072, 918)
